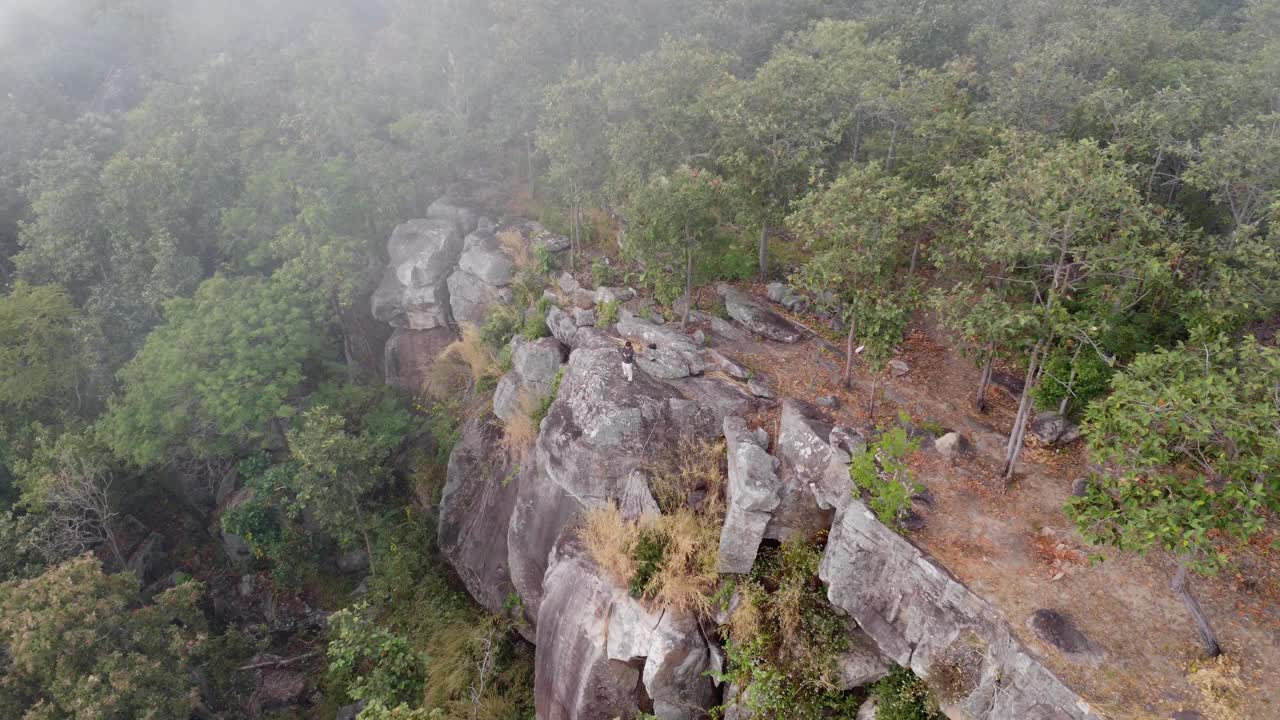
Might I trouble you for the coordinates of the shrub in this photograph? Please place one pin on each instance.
(603, 272)
(535, 326)
(610, 539)
(903, 696)
(694, 468)
(882, 473)
(1092, 379)
(784, 637)
(500, 325)
(607, 313)
(648, 552)
(370, 662)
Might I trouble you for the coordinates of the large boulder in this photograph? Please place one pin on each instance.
(535, 364)
(471, 298)
(757, 318)
(475, 509)
(413, 293)
(484, 257)
(1054, 429)
(921, 617)
(753, 494)
(661, 351)
(601, 654)
(815, 476)
(455, 211)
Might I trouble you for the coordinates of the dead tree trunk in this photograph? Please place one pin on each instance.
(848, 355)
(1179, 586)
(764, 251)
(1014, 449)
(1071, 384)
(688, 284)
(988, 367)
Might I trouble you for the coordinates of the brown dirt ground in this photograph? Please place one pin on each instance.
(1018, 549)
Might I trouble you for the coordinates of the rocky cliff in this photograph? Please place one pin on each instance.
(509, 524)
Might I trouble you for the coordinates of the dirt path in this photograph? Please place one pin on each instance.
(1018, 549)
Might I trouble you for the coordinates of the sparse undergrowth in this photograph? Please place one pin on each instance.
(783, 637)
(882, 473)
(901, 695)
(670, 560)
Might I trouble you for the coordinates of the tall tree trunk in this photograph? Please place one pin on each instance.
(988, 367)
(848, 355)
(1014, 449)
(915, 255)
(364, 530)
(893, 139)
(764, 250)
(1179, 586)
(871, 404)
(688, 283)
(1071, 383)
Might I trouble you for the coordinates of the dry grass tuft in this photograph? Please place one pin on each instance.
(610, 540)
(519, 432)
(1220, 686)
(517, 249)
(467, 361)
(957, 671)
(747, 619)
(693, 476)
(690, 565)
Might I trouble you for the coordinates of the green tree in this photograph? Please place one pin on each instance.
(571, 133)
(677, 219)
(1040, 228)
(40, 357)
(660, 113)
(336, 470)
(1190, 437)
(862, 229)
(78, 646)
(217, 376)
(779, 128)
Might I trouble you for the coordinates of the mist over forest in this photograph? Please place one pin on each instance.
(236, 420)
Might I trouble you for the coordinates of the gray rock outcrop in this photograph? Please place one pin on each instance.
(601, 654)
(815, 479)
(413, 293)
(757, 318)
(535, 364)
(753, 494)
(917, 614)
(1054, 429)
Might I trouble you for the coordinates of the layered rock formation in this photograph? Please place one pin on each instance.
(510, 524)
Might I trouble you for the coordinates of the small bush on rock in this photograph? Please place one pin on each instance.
(883, 474)
(903, 696)
(607, 313)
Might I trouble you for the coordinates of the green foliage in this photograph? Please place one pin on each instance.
(607, 313)
(213, 377)
(1082, 377)
(603, 273)
(784, 638)
(535, 326)
(676, 219)
(648, 553)
(882, 472)
(500, 325)
(860, 229)
(129, 661)
(40, 357)
(1189, 433)
(540, 413)
(903, 696)
(370, 662)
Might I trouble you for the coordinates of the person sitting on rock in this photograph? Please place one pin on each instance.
(628, 360)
